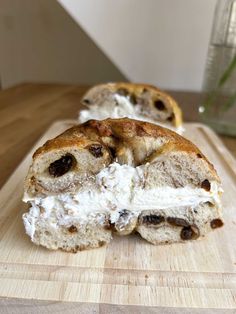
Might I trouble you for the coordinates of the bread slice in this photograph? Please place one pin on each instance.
(138, 101)
(119, 176)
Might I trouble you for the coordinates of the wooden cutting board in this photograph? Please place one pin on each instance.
(129, 271)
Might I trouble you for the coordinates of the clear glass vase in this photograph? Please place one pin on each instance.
(219, 106)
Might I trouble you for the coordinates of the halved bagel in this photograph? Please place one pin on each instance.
(120, 175)
(138, 101)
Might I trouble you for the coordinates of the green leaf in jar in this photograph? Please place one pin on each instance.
(227, 72)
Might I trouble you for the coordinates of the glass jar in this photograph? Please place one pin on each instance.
(219, 87)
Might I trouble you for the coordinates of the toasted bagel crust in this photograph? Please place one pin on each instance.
(123, 129)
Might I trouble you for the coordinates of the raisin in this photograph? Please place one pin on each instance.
(177, 222)
(171, 117)
(101, 243)
(124, 213)
(153, 219)
(61, 166)
(159, 105)
(186, 233)
(210, 204)
(199, 155)
(86, 101)
(113, 152)
(122, 91)
(96, 150)
(216, 223)
(107, 226)
(189, 233)
(206, 185)
(110, 225)
(41, 209)
(72, 229)
(133, 99)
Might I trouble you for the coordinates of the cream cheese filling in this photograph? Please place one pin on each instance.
(124, 109)
(116, 188)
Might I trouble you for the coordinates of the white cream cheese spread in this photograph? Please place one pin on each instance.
(116, 188)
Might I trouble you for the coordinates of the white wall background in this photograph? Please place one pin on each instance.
(163, 42)
(40, 42)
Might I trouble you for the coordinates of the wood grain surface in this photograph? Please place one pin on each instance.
(195, 277)
(26, 111)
